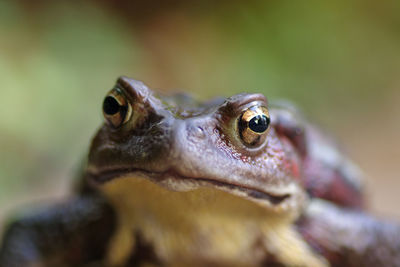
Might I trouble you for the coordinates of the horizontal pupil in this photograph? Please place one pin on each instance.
(110, 106)
(259, 123)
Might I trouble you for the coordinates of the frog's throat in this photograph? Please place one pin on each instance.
(173, 181)
(233, 227)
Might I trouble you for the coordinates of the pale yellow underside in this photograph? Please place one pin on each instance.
(203, 227)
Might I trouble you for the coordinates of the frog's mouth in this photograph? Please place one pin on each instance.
(177, 182)
(250, 192)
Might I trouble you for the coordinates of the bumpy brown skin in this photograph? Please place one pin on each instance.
(327, 172)
(72, 233)
(350, 238)
(179, 138)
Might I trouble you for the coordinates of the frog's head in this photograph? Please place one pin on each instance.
(181, 145)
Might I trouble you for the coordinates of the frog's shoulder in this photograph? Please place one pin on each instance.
(327, 172)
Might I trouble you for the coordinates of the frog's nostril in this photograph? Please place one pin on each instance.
(200, 132)
(197, 131)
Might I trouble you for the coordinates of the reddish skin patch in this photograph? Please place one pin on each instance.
(296, 170)
(339, 192)
(292, 162)
(333, 186)
(321, 179)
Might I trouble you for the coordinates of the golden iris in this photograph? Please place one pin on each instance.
(254, 125)
(116, 108)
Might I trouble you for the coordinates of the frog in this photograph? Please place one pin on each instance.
(173, 181)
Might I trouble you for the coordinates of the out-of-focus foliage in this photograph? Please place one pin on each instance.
(55, 66)
(339, 60)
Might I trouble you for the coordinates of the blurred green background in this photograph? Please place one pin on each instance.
(338, 60)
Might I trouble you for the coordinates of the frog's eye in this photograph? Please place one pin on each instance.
(116, 108)
(254, 125)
